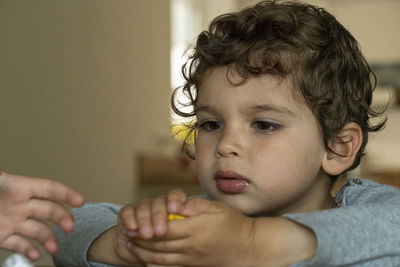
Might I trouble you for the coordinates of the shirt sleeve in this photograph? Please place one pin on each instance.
(91, 221)
(363, 231)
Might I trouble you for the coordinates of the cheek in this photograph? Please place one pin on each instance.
(203, 153)
(203, 163)
(305, 160)
(273, 162)
(285, 161)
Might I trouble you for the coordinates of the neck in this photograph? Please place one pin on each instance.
(318, 197)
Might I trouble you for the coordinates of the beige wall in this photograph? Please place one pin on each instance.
(375, 24)
(84, 86)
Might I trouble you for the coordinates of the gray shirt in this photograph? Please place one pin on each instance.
(364, 231)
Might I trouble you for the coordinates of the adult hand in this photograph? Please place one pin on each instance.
(24, 201)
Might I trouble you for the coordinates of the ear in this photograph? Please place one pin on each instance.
(346, 145)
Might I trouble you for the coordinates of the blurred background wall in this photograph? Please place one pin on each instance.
(85, 84)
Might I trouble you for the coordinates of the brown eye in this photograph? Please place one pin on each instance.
(210, 125)
(265, 126)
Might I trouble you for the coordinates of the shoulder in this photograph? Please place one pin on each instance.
(362, 191)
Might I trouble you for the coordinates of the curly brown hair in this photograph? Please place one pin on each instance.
(295, 40)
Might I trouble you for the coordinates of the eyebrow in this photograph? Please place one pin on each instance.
(257, 108)
(272, 107)
(203, 108)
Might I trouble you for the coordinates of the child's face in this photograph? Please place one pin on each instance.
(258, 149)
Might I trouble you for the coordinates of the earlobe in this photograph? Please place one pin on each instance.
(343, 149)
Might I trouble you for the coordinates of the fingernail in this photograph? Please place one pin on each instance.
(33, 255)
(159, 229)
(129, 245)
(173, 207)
(132, 233)
(146, 232)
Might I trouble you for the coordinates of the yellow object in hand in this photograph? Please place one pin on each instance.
(173, 217)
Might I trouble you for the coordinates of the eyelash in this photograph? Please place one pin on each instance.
(262, 126)
(209, 126)
(270, 126)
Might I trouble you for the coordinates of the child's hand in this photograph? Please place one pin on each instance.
(145, 219)
(213, 234)
(149, 217)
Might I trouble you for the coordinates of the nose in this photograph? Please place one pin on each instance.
(229, 145)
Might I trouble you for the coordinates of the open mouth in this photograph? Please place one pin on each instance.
(230, 182)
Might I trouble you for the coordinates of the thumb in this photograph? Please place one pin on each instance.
(197, 206)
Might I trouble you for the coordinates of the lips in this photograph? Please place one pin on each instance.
(230, 182)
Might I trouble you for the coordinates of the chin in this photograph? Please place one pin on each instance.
(245, 209)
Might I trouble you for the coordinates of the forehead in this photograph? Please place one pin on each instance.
(221, 86)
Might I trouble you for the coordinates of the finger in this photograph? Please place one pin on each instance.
(143, 219)
(39, 232)
(48, 210)
(159, 215)
(176, 198)
(154, 257)
(181, 229)
(197, 206)
(127, 218)
(48, 189)
(161, 245)
(22, 246)
(153, 265)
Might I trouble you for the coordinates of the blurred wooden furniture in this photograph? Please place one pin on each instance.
(159, 169)
(389, 178)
